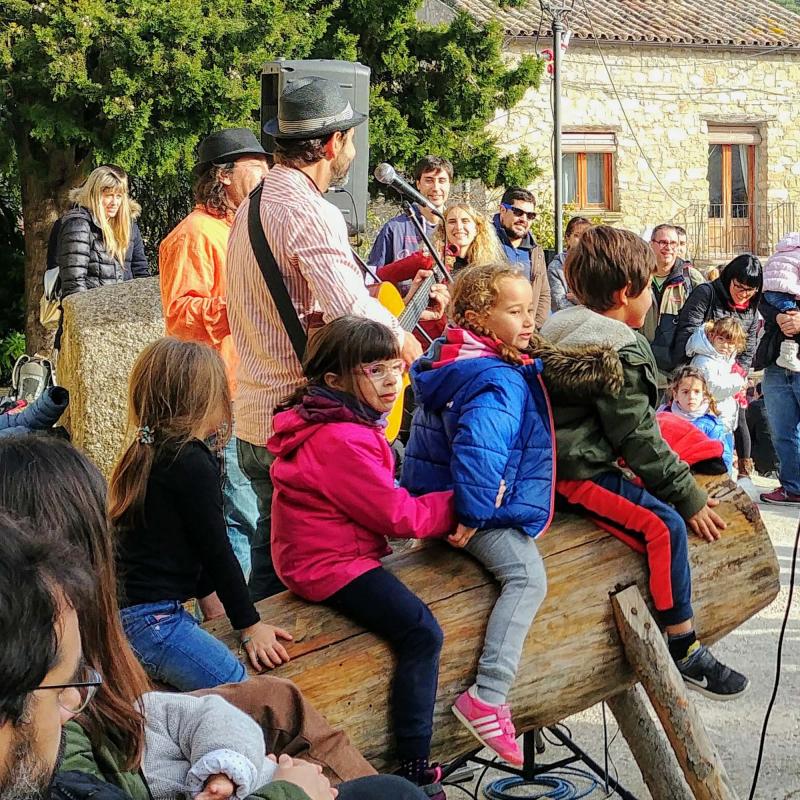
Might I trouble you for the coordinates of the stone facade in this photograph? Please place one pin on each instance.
(670, 95)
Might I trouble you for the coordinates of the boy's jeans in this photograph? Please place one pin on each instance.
(174, 649)
(513, 559)
(782, 402)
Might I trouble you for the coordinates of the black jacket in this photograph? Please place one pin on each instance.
(769, 348)
(76, 247)
(708, 302)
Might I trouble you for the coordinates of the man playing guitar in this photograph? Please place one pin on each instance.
(307, 236)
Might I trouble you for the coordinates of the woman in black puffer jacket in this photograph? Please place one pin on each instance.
(98, 242)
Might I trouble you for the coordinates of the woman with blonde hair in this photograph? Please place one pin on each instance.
(467, 238)
(97, 240)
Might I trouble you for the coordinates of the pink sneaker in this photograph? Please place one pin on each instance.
(490, 725)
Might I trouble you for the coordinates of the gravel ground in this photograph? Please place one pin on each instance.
(734, 727)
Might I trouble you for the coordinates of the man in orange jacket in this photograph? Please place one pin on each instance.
(193, 289)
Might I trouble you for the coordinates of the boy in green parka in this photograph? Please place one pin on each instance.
(609, 271)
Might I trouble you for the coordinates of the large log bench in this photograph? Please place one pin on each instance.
(573, 656)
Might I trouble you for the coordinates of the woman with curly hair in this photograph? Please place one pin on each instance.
(467, 238)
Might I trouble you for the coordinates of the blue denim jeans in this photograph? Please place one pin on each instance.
(240, 504)
(783, 301)
(174, 649)
(782, 402)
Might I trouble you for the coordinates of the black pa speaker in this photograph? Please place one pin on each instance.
(353, 79)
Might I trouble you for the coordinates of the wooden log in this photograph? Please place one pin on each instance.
(649, 656)
(573, 657)
(651, 751)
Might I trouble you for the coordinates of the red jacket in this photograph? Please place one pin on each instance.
(335, 503)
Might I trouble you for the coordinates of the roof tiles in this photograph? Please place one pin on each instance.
(734, 23)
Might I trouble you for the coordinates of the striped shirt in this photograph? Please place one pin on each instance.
(308, 237)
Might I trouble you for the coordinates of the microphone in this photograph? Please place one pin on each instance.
(385, 173)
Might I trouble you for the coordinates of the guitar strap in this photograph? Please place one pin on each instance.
(273, 277)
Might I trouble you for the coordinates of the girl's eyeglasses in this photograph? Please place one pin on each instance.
(74, 697)
(380, 369)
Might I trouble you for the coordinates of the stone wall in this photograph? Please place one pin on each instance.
(104, 332)
(669, 95)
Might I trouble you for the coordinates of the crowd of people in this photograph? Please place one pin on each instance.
(257, 460)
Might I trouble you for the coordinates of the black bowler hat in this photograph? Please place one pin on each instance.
(226, 145)
(312, 107)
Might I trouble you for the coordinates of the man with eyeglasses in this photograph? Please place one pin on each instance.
(673, 282)
(513, 225)
(43, 682)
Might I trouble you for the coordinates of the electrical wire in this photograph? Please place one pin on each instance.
(778, 660)
(625, 113)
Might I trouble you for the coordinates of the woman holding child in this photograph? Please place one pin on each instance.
(735, 296)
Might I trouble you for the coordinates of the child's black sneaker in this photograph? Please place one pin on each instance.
(703, 673)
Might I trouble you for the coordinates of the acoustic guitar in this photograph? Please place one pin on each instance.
(408, 315)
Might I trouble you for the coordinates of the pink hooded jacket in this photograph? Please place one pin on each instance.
(782, 269)
(335, 503)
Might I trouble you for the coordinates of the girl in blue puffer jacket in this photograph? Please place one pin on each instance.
(483, 428)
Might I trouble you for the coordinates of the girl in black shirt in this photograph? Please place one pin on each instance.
(165, 502)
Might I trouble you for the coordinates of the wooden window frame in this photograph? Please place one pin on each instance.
(582, 184)
(726, 173)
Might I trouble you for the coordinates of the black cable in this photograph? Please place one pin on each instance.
(777, 666)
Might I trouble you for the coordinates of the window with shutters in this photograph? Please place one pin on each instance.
(588, 169)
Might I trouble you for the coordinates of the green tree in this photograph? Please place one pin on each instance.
(434, 89)
(139, 83)
(134, 83)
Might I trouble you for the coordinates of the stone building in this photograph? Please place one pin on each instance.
(681, 110)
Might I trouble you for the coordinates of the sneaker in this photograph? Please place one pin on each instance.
(780, 497)
(490, 725)
(703, 673)
(431, 783)
(788, 358)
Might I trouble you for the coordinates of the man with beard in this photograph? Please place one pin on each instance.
(43, 682)
(314, 148)
(513, 226)
(191, 266)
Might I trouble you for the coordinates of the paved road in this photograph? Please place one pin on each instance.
(734, 727)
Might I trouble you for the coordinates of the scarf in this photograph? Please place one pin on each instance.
(690, 415)
(459, 344)
(323, 404)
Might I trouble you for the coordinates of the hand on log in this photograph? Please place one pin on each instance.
(706, 523)
(260, 642)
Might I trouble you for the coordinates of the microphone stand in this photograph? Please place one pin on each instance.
(443, 276)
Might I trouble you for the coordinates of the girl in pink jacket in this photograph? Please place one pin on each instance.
(335, 503)
(782, 291)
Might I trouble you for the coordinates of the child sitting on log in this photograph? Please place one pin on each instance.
(483, 427)
(334, 505)
(691, 399)
(649, 504)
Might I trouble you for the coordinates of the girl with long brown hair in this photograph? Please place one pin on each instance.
(165, 503)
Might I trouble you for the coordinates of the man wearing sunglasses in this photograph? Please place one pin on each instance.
(43, 682)
(513, 225)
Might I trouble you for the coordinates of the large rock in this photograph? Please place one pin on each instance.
(104, 332)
